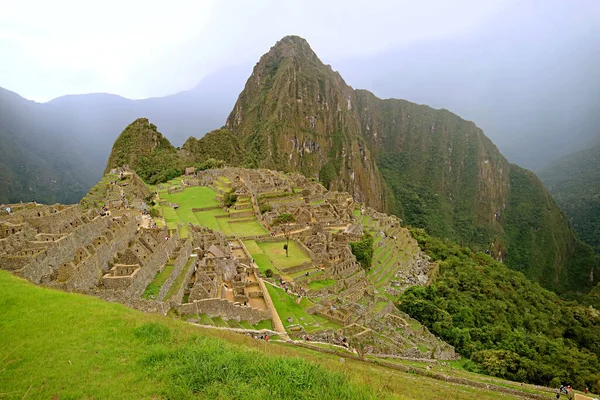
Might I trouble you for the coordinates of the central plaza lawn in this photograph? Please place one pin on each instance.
(195, 197)
(276, 253)
(287, 308)
(252, 247)
(263, 262)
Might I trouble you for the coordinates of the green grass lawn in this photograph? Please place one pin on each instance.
(249, 228)
(276, 253)
(179, 280)
(264, 324)
(264, 263)
(63, 345)
(324, 283)
(159, 280)
(207, 218)
(252, 247)
(171, 217)
(195, 197)
(286, 307)
(200, 197)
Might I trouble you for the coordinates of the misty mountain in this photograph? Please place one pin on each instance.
(56, 151)
(430, 167)
(531, 87)
(574, 181)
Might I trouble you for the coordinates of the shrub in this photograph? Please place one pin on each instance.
(363, 251)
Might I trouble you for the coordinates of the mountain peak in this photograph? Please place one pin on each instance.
(294, 47)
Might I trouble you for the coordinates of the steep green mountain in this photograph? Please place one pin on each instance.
(297, 114)
(574, 182)
(430, 167)
(144, 149)
(220, 144)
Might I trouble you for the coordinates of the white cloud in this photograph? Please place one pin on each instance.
(148, 48)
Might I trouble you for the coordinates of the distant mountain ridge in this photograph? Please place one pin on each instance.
(430, 167)
(56, 151)
(574, 181)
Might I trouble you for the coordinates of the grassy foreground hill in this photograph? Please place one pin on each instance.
(63, 345)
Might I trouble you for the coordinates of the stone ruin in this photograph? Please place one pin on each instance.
(102, 247)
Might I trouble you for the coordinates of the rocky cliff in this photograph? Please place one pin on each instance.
(296, 114)
(430, 167)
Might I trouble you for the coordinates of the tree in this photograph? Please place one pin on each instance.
(363, 250)
(230, 198)
(285, 221)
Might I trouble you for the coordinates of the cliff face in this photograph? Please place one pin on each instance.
(297, 114)
(444, 173)
(430, 167)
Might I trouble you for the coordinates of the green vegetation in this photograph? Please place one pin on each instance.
(507, 325)
(363, 250)
(147, 152)
(179, 280)
(321, 284)
(230, 198)
(159, 280)
(210, 163)
(109, 351)
(285, 221)
(288, 308)
(543, 244)
(277, 254)
(220, 145)
(574, 181)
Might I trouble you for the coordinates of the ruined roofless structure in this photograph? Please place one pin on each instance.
(109, 246)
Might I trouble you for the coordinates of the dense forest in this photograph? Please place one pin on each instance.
(505, 324)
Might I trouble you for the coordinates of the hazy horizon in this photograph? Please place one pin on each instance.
(139, 50)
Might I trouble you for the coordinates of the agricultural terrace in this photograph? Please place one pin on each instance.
(215, 217)
(293, 313)
(271, 255)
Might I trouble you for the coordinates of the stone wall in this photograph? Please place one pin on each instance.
(151, 266)
(56, 222)
(179, 263)
(178, 297)
(90, 271)
(224, 309)
(54, 257)
(302, 267)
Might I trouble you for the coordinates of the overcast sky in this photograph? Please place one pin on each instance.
(141, 49)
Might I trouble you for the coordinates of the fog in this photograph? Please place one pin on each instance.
(524, 71)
